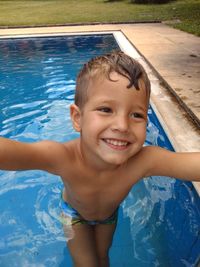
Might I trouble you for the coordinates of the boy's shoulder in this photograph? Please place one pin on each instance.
(147, 152)
(144, 154)
(59, 156)
(144, 161)
(67, 149)
(56, 150)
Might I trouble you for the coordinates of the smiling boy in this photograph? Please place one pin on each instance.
(99, 168)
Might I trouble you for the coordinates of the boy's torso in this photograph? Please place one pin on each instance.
(94, 194)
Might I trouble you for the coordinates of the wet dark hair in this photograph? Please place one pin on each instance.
(103, 66)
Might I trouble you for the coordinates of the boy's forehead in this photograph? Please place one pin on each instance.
(115, 87)
(115, 80)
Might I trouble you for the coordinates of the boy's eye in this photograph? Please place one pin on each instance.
(105, 109)
(137, 115)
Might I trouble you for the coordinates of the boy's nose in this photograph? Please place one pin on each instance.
(120, 123)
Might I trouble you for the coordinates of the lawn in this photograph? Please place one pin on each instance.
(182, 14)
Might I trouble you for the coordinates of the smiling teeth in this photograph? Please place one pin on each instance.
(116, 142)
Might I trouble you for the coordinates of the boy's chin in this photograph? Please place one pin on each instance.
(115, 160)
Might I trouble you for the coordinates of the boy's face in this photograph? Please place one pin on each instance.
(113, 120)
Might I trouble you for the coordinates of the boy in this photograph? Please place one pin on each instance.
(99, 168)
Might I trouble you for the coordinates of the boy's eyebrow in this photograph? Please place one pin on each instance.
(112, 101)
(105, 101)
(141, 107)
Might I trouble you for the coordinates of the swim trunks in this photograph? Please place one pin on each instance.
(69, 216)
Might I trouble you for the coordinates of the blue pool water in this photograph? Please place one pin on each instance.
(159, 222)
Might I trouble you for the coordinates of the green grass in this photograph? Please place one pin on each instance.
(182, 14)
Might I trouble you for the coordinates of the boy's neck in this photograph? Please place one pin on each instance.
(93, 164)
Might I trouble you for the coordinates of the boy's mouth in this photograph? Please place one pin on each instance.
(116, 144)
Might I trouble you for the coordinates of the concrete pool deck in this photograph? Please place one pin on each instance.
(173, 59)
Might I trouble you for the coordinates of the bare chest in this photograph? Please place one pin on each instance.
(96, 197)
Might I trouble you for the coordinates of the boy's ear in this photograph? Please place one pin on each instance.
(75, 114)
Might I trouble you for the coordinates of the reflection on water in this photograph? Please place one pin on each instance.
(159, 220)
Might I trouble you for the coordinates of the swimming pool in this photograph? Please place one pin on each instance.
(159, 222)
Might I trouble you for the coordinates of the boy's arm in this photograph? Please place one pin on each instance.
(162, 162)
(42, 155)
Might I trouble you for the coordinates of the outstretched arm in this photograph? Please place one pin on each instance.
(185, 166)
(16, 155)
